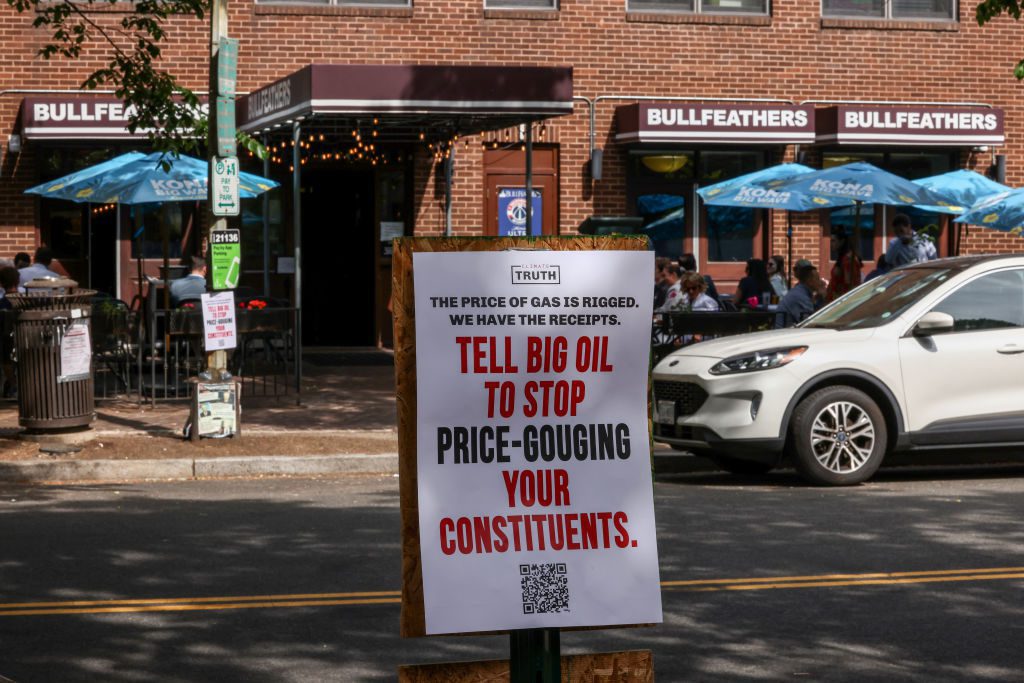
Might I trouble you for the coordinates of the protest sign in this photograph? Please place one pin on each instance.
(219, 321)
(533, 457)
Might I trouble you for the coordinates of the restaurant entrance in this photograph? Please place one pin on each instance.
(338, 302)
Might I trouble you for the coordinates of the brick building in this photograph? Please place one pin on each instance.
(669, 95)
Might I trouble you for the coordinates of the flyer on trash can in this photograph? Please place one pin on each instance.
(75, 352)
(536, 505)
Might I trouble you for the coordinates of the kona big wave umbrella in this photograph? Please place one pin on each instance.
(136, 178)
(747, 191)
(1004, 211)
(967, 188)
(858, 183)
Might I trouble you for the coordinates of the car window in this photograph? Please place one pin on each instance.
(881, 300)
(989, 302)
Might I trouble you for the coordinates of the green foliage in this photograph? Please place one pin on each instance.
(988, 10)
(168, 112)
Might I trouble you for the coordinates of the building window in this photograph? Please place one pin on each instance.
(521, 4)
(340, 3)
(909, 10)
(699, 6)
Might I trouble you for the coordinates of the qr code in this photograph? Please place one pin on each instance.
(545, 588)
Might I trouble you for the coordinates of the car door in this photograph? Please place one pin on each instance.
(965, 385)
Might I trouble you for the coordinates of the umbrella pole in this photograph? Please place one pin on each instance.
(789, 249)
(855, 246)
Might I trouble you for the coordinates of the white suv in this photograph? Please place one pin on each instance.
(928, 356)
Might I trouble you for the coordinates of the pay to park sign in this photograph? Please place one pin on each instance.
(533, 458)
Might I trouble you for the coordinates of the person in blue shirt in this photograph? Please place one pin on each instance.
(908, 246)
(803, 299)
(193, 285)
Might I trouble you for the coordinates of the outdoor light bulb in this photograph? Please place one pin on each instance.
(375, 122)
(374, 133)
(422, 136)
(291, 169)
(321, 137)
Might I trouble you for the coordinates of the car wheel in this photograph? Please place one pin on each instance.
(838, 436)
(743, 468)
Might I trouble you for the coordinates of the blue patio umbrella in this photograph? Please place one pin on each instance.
(67, 186)
(965, 188)
(664, 214)
(748, 191)
(144, 180)
(1004, 211)
(858, 183)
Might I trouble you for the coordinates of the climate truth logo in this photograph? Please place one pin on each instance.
(536, 274)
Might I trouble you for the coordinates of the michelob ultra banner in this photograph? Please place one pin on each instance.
(533, 458)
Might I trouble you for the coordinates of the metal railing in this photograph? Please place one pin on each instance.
(170, 351)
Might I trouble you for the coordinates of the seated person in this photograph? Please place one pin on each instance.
(193, 285)
(39, 269)
(689, 265)
(755, 288)
(696, 298)
(674, 294)
(803, 299)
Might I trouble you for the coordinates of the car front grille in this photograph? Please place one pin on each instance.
(689, 397)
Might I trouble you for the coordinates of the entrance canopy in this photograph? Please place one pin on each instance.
(409, 100)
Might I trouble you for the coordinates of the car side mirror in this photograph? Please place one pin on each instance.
(933, 322)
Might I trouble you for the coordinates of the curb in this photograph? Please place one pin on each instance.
(246, 466)
(198, 468)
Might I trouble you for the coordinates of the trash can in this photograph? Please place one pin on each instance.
(54, 355)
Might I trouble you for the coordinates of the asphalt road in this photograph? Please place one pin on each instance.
(916, 576)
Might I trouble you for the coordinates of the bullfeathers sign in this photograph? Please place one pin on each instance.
(533, 457)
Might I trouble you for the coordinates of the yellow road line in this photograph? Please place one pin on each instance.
(239, 598)
(824, 577)
(17, 609)
(189, 607)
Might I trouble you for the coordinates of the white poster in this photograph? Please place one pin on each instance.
(535, 497)
(75, 352)
(219, 321)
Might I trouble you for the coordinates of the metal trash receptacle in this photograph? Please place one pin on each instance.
(54, 355)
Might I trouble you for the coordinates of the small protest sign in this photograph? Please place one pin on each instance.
(219, 321)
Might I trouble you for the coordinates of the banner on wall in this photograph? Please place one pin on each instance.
(533, 458)
(512, 212)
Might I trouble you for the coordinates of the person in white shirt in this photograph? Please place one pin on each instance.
(674, 296)
(908, 246)
(777, 275)
(40, 268)
(694, 298)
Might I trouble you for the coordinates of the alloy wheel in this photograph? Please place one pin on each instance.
(842, 437)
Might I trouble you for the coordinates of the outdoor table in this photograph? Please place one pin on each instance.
(670, 329)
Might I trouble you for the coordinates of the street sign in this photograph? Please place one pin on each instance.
(226, 258)
(224, 186)
(226, 143)
(227, 66)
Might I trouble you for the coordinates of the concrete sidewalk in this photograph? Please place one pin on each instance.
(346, 424)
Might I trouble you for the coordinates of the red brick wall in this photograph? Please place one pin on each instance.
(794, 55)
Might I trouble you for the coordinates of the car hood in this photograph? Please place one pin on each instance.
(734, 345)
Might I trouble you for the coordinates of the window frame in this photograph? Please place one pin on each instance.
(887, 14)
(698, 9)
(494, 5)
(356, 4)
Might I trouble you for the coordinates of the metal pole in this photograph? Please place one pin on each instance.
(535, 656)
(266, 226)
(449, 173)
(297, 232)
(529, 179)
(218, 29)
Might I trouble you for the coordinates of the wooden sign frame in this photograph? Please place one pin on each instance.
(413, 618)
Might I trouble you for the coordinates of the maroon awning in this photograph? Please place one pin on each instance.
(669, 122)
(468, 99)
(910, 125)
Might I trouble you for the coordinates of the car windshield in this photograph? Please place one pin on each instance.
(881, 300)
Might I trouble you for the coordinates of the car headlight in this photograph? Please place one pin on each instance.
(758, 360)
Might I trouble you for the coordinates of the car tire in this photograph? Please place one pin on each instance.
(838, 436)
(742, 468)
